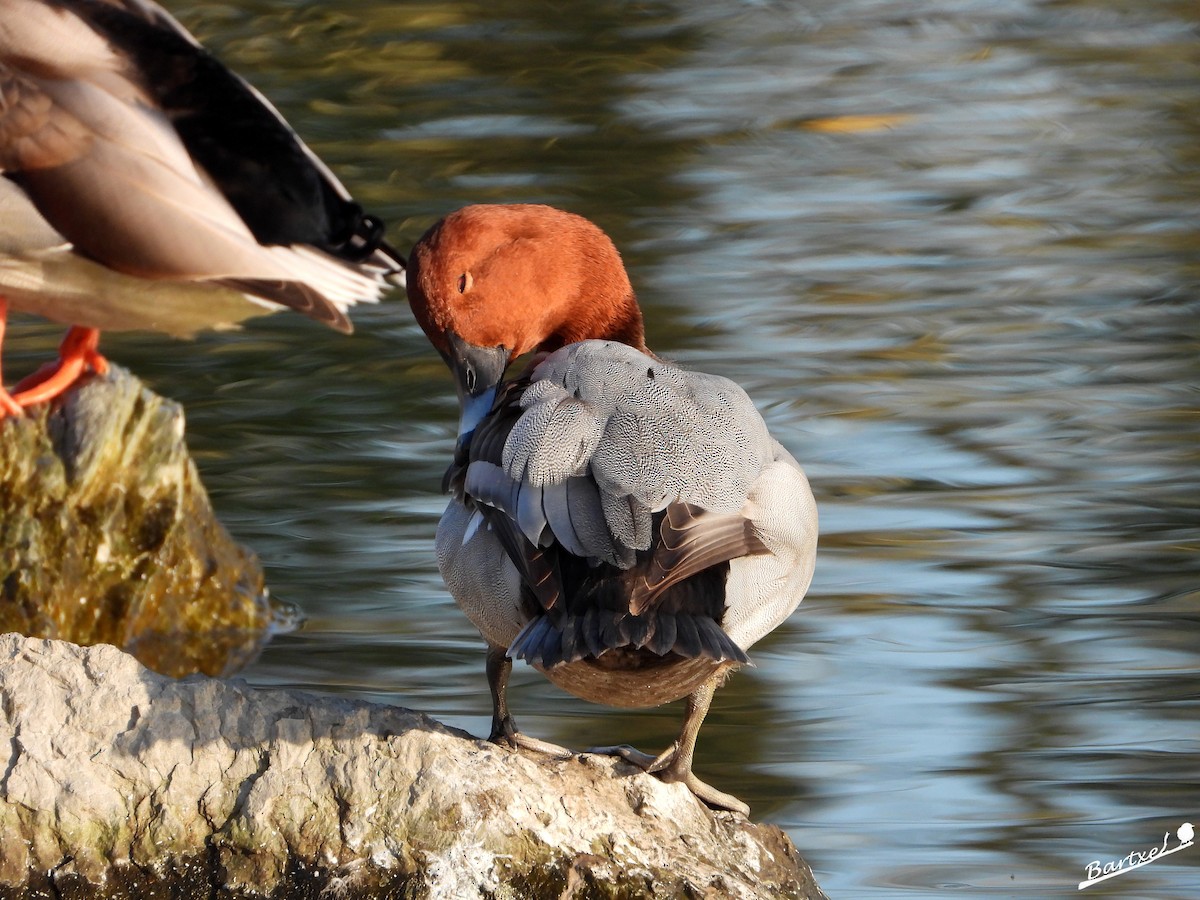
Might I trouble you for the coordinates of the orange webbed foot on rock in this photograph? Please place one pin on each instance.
(78, 353)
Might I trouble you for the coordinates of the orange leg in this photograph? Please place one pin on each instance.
(76, 354)
(8, 406)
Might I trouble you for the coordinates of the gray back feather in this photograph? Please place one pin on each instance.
(608, 436)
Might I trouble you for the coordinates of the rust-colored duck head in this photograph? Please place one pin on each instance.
(491, 283)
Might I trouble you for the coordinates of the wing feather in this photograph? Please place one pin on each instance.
(691, 540)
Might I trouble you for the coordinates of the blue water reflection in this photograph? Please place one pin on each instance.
(949, 248)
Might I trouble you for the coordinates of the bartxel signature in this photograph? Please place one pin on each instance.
(1137, 858)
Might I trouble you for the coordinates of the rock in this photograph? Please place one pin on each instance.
(120, 782)
(107, 535)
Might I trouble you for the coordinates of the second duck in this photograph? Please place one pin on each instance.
(627, 527)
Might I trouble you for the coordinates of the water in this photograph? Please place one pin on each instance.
(950, 249)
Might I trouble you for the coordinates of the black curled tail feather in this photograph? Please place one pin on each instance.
(546, 643)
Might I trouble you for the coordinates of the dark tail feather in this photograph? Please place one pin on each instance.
(541, 643)
(546, 644)
(528, 643)
(687, 638)
(552, 648)
(574, 643)
(609, 629)
(663, 639)
(639, 629)
(591, 632)
(716, 643)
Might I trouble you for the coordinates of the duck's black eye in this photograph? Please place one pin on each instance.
(464, 282)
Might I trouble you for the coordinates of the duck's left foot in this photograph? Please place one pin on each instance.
(77, 353)
(671, 767)
(506, 734)
(9, 406)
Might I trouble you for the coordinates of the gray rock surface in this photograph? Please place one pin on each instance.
(119, 782)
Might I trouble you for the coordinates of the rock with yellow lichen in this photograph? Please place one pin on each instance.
(120, 783)
(107, 535)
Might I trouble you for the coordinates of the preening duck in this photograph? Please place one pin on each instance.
(146, 186)
(627, 527)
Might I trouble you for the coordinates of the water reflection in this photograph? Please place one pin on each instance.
(951, 250)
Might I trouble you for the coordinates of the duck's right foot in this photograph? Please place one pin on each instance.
(630, 754)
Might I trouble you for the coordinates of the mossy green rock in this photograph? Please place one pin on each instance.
(107, 535)
(121, 783)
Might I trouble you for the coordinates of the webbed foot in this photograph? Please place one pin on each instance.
(506, 734)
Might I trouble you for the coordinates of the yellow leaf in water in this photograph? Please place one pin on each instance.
(852, 124)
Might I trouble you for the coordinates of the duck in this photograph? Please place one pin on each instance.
(628, 527)
(147, 187)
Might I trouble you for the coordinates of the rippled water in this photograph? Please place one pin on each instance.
(951, 248)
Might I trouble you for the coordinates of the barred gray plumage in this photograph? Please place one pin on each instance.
(638, 431)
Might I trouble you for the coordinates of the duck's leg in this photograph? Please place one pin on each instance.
(675, 763)
(8, 406)
(504, 729)
(76, 354)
